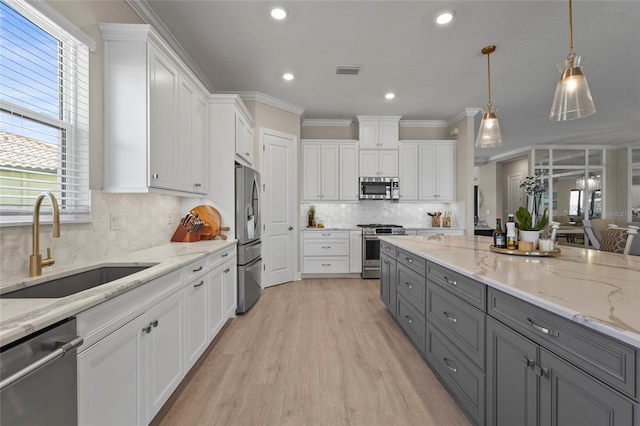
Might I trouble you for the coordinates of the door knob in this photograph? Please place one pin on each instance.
(291, 228)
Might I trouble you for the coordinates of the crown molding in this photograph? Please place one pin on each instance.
(468, 112)
(423, 123)
(141, 7)
(231, 99)
(124, 32)
(269, 100)
(320, 122)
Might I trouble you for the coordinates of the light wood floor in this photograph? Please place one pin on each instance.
(314, 352)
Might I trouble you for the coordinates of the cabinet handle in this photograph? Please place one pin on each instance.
(326, 264)
(247, 154)
(326, 247)
(528, 362)
(155, 176)
(387, 248)
(225, 255)
(154, 323)
(542, 329)
(198, 285)
(409, 260)
(198, 269)
(450, 317)
(449, 366)
(540, 371)
(409, 319)
(326, 235)
(450, 282)
(408, 285)
(147, 329)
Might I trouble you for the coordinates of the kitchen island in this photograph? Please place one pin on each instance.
(519, 339)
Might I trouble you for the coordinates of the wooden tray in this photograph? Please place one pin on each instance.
(555, 252)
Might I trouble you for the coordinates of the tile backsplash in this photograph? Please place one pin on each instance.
(409, 215)
(145, 220)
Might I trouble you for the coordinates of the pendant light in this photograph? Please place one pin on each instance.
(573, 98)
(489, 135)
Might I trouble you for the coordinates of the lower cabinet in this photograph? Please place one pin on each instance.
(141, 344)
(388, 282)
(326, 252)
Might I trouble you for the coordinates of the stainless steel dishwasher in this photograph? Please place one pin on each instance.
(39, 379)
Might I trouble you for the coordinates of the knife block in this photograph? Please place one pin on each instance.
(183, 236)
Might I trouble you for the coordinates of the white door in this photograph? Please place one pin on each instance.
(514, 193)
(279, 247)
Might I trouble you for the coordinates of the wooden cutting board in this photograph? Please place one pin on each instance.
(211, 216)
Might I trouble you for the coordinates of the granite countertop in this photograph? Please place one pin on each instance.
(596, 289)
(21, 317)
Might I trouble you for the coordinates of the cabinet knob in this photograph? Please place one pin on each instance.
(450, 366)
(450, 317)
(409, 319)
(155, 176)
(147, 329)
(290, 228)
(247, 154)
(154, 323)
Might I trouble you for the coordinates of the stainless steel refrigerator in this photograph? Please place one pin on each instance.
(248, 228)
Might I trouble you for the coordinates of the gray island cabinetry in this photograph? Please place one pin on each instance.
(504, 356)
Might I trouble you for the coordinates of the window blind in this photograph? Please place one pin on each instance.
(44, 116)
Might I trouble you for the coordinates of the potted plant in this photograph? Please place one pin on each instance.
(530, 220)
(530, 231)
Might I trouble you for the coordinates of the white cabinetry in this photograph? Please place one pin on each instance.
(428, 171)
(325, 252)
(153, 111)
(355, 251)
(140, 345)
(380, 163)
(378, 131)
(244, 138)
(329, 170)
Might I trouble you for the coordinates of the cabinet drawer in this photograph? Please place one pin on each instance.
(413, 286)
(326, 265)
(411, 321)
(326, 247)
(463, 324)
(309, 235)
(196, 269)
(220, 257)
(464, 287)
(388, 249)
(463, 379)
(608, 359)
(417, 263)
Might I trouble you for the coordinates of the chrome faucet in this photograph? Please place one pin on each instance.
(35, 260)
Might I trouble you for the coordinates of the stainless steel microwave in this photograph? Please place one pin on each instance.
(379, 188)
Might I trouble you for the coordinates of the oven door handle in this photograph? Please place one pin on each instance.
(58, 353)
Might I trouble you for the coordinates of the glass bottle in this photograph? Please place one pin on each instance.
(511, 218)
(512, 240)
(499, 236)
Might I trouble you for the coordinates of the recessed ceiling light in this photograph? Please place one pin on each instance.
(390, 96)
(288, 76)
(279, 13)
(444, 18)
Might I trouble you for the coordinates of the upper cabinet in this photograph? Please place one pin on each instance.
(231, 121)
(329, 170)
(381, 132)
(379, 163)
(155, 115)
(244, 138)
(428, 170)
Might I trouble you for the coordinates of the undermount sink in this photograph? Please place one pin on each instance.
(73, 284)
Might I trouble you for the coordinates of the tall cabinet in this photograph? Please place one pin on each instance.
(155, 115)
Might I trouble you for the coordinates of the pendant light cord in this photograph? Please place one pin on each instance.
(571, 55)
(489, 80)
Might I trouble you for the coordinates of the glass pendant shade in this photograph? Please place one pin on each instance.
(489, 135)
(573, 97)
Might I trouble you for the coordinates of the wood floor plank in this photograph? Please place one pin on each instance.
(314, 352)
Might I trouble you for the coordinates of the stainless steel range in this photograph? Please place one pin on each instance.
(371, 246)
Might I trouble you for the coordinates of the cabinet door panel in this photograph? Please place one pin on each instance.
(311, 172)
(571, 397)
(164, 348)
(355, 251)
(446, 172)
(349, 190)
(329, 173)
(427, 173)
(199, 146)
(230, 288)
(217, 311)
(186, 96)
(164, 99)
(196, 319)
(369, 135)
(109, 379)
(408, 172)
(369, 163)
(389, 134)
(512, 386)
(388, 163)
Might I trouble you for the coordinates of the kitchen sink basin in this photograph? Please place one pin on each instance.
(73, 284)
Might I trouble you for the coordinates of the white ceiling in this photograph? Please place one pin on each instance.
(436, 72)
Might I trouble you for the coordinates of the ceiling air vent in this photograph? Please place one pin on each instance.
(348, 69)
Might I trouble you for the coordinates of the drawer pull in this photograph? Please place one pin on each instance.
(409, 319)
(449, 366)
(326, 235)
(225, 255)
(540, 371)
(450, 282)
(528, 362)
(542, 329)
(326, 247)
(450, 317)
(198, 269)
(409, 260)
(408, 285)
(198, 285)
(326, 264)
(387, 248)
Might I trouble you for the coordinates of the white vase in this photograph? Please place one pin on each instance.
(532, 236)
